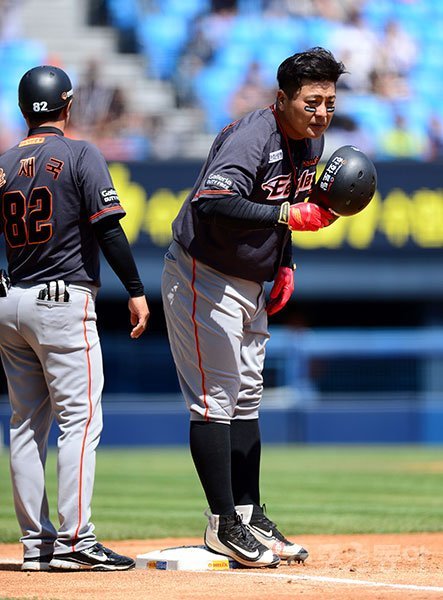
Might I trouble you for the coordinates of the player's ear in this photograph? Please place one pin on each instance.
(281, 99)
(67, 110)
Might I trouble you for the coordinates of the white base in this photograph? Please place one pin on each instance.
(185, 558)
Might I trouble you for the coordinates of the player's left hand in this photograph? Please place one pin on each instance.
(281, 290)
(138, 307)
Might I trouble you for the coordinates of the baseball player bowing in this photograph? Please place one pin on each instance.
(58, 207)
(232, 234)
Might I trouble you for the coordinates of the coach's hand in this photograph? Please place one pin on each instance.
(138, 307)
(304, 216)
(281, 290)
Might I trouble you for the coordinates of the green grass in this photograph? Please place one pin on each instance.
(146, 493)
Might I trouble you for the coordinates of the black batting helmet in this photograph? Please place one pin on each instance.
(347, 184)
(44, 89)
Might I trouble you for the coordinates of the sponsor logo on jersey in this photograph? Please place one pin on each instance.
(30, 141)
(109, 195)
(275, 156)
(278, 188)
(2, 177)
(219, 181)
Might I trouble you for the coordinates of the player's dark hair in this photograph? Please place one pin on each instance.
(316, 64)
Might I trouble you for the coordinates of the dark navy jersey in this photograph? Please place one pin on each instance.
(52, 190)
(252, 159)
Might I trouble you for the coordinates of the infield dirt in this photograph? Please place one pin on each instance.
(357, 567)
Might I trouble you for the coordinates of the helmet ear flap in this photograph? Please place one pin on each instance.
(347, 183)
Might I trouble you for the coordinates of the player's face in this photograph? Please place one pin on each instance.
(309, 112)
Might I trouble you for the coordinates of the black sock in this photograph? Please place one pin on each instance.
(245, 461)
(211, 452)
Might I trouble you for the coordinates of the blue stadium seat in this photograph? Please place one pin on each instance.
(426, 86)
(431, 58)
(318, 31)
(213, 88)
(124, 13)
(235, 57)
(271, 57)
(17, 57)
(162, 38)
(378, 12)
(371, 113)
(247, 31)
(186, 9)
(285, 31)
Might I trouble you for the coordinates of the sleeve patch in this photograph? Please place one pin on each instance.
(109, 196)
(219, 181)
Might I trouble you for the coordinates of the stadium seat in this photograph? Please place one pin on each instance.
(213, 88)
(161, 38)
(371, 113)
(16, 57)
(124, 13)
(378, 12)
(318, 31)
(186, 9)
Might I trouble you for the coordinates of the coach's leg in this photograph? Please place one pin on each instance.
(74, 374)
(30, 423)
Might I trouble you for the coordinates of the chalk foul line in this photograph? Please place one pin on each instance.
(338, 580)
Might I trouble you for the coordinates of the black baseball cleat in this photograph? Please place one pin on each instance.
(96, 558)
(226, 534)
(37, 563)
(267, 533)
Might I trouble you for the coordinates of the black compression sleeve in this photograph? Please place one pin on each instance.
(286, 260)
(115, 247)
(237, 212)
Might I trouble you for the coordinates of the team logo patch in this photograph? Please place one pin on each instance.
(278, 188)
(219, 181)
(275, 156)
(109, 195)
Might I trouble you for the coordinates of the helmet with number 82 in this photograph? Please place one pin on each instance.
(44, 89)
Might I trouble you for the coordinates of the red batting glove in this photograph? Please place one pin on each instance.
(306, 216)
(281, 290)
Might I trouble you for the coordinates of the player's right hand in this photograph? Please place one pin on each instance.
(138, 307)
(305, 216)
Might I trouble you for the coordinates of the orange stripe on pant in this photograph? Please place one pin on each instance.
(80, 483)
